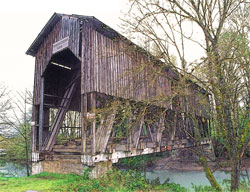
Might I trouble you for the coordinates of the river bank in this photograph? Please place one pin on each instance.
(168, 163)
(182, 160)
(114, 180)
(164, 171)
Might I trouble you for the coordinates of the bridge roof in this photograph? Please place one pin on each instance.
(99, 26)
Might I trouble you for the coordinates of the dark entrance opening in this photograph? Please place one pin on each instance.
(62, 71)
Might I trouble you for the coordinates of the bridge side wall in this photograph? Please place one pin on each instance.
(111, 66)
(115, 67)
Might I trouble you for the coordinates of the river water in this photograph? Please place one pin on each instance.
(11, 169)
(184, 178)
(187, 178)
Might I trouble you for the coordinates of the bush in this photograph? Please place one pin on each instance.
(117, 180)
(140, 162)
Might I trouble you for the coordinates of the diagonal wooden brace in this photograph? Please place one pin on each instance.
(65, 103)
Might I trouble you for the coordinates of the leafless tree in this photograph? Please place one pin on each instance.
(4, 108)
(18, 119)
(218, 30)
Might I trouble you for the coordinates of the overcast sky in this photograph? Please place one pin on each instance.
(22, 20)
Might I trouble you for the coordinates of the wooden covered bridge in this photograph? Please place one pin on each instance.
(97, 98)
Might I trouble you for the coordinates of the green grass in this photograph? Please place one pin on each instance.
(41, 182)
(114, 180)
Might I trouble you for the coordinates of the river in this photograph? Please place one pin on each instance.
(188, 178)
(11, 169)
(184, 178)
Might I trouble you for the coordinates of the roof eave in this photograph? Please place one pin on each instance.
(32, 50)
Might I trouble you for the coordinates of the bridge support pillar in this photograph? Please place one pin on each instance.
(36, 168)
(100, 169)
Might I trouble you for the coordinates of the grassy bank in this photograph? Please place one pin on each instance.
(114, 181)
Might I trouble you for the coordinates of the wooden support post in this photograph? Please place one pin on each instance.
(183, 128)
(209, 128)
(93, 124)
(99, 134)
(196, 128)
(173, 132)
(41, 116)
(33, 129)
(130, 132)
(150, 133)
(46, 113)
(84, 124)
(108, 128)
(160, 130)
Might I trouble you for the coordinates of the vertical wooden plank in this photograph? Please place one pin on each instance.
(91, 63)
(85, 57)
(130, 82)
(115, 69)
(41, 115)
(101, 64)
(97, 62)
(46, 113)
(108, 65)
(126, 74)
(88, 59)
(173, 133)
(122, 69)
(77, 31)
(111, 67)
(83, 81)
(105, 64)
(36, 76)
(118, 68)
(93, 124)
(83, 122)
(33, 129)
(94, 60)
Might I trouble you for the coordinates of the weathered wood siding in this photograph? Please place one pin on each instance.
(66, 27)
(113, 67)
(196, 101)
(109, 67)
